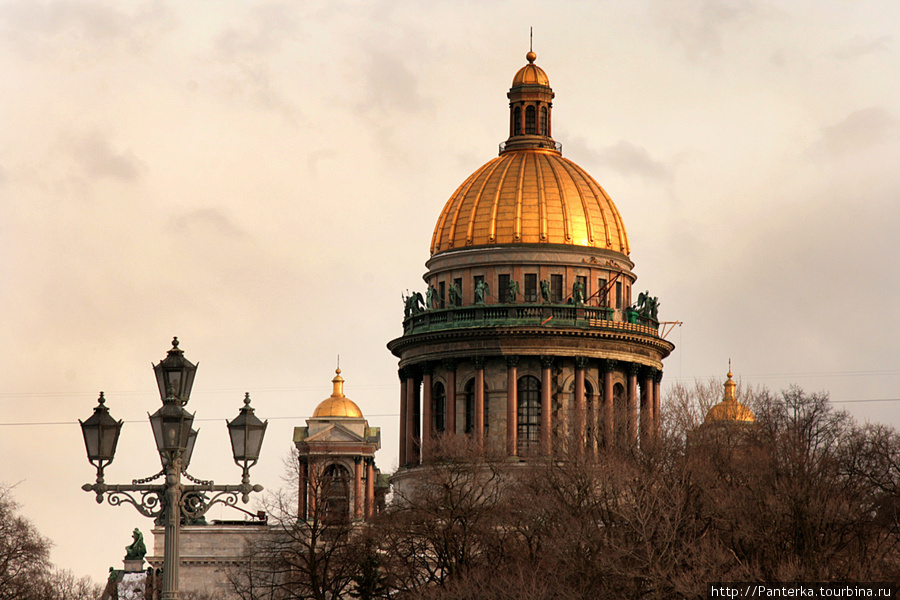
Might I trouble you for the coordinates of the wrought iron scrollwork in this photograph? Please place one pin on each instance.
(150, 503)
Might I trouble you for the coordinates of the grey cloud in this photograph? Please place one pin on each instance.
(98, 158)
(29, 25)
(390, 85)
(267, 28)
(859, 130)
(211, 220)
(861, 46)
(626, 158)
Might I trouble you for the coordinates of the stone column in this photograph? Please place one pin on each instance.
(657, 377)
(646, 408)
(370, 487)
(402, 374)
(512, 405)
(479, 403)
(412, 393)
(302, 492)
(580, 415)
(450, 365)
(427, 417)
(607, 411)
(631, 406)
(357, 487)
(546, 408)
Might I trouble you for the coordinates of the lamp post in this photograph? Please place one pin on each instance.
(171, 500)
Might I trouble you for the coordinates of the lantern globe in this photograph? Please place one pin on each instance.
(171, 428)
(175, 374)
(246, 432)
(101, 434)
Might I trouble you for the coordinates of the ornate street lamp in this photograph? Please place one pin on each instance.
(246, 433)
(171, 501)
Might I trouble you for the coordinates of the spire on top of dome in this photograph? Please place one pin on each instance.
(729, 409)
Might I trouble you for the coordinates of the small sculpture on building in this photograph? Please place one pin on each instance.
(455, 295)
(578, 292)
(136, 550)
(481, 290)
(430, 296)
(545, 290)
(513, 291)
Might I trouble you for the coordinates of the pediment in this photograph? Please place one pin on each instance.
(334, 433)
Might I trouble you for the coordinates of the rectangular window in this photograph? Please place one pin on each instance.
(627, 295)
(442, 290)
(503, 288)
(531, 287)
(618, 294)
(457, 283)
(602, 295)
(556, 289)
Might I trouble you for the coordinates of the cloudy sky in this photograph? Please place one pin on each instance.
(262, 180)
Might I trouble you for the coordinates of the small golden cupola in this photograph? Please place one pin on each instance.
(337, 405)
(530, 105)
(729, 410)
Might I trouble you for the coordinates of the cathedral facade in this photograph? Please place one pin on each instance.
(529, 337)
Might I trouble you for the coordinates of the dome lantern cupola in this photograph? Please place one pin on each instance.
(530, 106)
(729, 410)
(337, 405)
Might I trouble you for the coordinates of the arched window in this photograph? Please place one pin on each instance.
(529, 413)
(469, 391)
(439, 407)
(530, 120)
(335, 493)
(545, 122)
(517, 121)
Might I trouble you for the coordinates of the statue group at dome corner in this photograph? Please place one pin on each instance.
(413, 304)
(647, 306)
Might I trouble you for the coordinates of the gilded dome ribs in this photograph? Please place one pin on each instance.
(460, 197)
(562, 203)
(542, 199)
(492, 236)
(577, 175)
(519, 184)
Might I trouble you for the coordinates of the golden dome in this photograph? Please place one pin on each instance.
(531, 74)
(729, 409)
(337, 405)
(530, 196)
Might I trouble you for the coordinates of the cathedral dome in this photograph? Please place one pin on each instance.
(729, 409)
(337, 405)
(530, 194)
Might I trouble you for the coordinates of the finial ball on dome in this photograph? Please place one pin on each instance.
(531, 56)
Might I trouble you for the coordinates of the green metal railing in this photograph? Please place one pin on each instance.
(541, 315)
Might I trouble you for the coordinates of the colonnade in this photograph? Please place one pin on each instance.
(637, 414)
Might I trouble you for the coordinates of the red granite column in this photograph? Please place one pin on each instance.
(402, 373)
(607, 411)
(631, 406)
(512, 406)
(357, 487)
(479, 403)
(657, 377)
(546, 408)
(450, 365)
(579, 406)
(302, 492)
(427, 419)
(370, 487)
(412, 388)
(646, 409)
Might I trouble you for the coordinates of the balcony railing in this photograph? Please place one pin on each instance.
(541, 315)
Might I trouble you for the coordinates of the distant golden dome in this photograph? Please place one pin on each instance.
(729, 409)
(530, 196)
(531, 74)
(337, 405)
